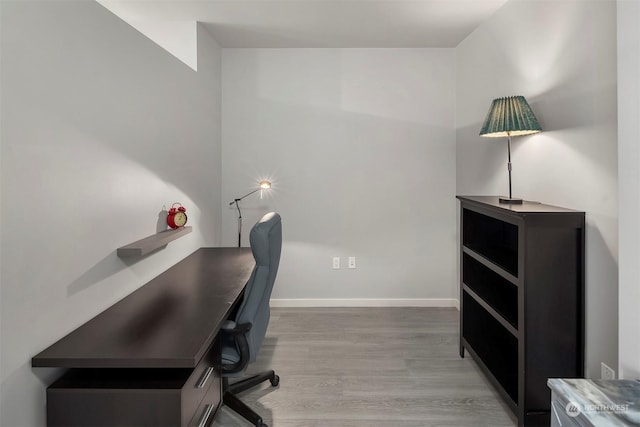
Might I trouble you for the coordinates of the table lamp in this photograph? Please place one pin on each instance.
(509, 116)
(262, 185)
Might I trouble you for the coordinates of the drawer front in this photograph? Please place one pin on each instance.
(195, 390)
(204, 376)
(209, 406)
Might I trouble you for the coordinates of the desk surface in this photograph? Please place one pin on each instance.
(168, 323)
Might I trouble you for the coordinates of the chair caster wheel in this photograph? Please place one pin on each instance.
(261, 424)
(275, 381)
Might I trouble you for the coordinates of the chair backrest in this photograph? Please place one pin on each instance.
(266, 244)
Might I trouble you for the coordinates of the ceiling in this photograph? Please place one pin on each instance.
(320, 23)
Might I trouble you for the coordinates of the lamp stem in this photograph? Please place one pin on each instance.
(509, 199)
(239, 220)
(509, 163)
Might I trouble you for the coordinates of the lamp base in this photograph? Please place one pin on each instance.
(510, 200)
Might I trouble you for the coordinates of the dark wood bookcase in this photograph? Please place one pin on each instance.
(522, 298)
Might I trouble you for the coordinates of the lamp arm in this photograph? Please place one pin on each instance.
(246, 195)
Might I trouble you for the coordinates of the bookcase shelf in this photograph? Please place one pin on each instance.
(498, 292)
(522, 298)
(149, 244)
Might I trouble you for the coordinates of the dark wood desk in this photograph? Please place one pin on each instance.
(151, 359)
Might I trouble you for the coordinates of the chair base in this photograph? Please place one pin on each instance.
(232, 401)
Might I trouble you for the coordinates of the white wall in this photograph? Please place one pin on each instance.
(561, 56)
(359, 144)
(629, 176)
(101, 128)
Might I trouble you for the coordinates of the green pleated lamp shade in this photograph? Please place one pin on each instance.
(509, 116)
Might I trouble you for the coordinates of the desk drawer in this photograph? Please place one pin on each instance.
(209, 406)
(133, 397)
(204, 376)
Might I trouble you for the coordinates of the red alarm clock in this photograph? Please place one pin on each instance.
(176, 217)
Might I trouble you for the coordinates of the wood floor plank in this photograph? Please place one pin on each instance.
(357, 367)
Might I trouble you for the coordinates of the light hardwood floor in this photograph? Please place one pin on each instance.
(353, 367)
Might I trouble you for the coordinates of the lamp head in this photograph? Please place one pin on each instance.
(509, 116)
(265, 185)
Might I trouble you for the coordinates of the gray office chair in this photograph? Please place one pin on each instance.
(241, 337)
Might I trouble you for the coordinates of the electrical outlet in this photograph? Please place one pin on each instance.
(352, 262)
(606, 373)
(336, 262)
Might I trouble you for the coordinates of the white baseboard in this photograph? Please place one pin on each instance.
(365, 302)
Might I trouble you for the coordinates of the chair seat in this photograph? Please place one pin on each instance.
(230, 353)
